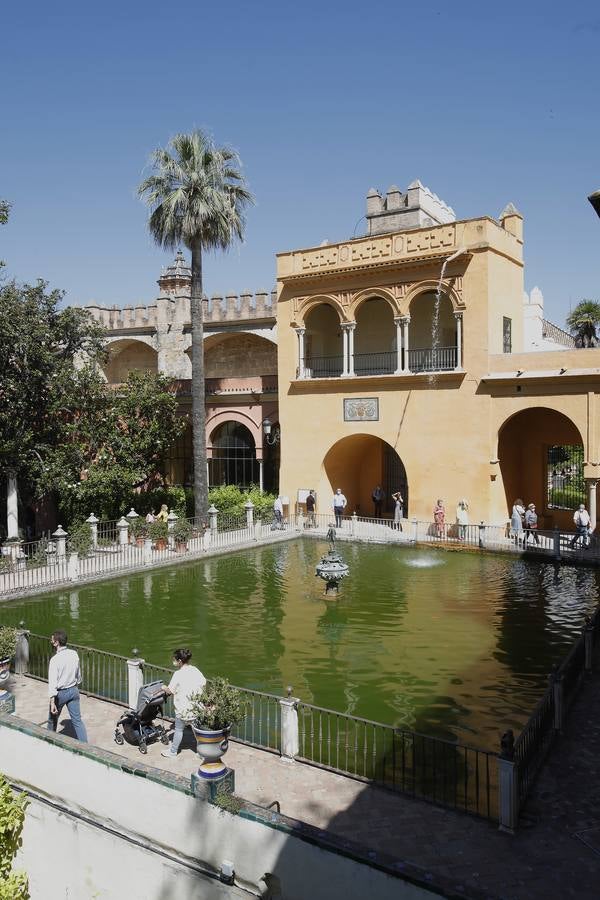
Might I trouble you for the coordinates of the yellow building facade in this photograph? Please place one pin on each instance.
(401, 362)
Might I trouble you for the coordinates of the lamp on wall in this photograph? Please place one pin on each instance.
(272, 435)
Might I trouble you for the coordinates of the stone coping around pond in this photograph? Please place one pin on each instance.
(176, 559)
(325, 840)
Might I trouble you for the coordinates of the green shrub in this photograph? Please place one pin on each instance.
(158, 531)
(138, 528)
(182, 531)
(8, 642)
(230, 500)
(80, 540)
(13, 885)
(6, 564)
(219, 705)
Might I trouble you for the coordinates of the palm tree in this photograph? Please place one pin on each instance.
(197, 196)
(582, 323)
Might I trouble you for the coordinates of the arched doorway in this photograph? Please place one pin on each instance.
(358, 463)
(128, 355)
(541, 456)
(233, 456)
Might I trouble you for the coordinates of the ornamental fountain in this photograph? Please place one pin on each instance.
(332, 567)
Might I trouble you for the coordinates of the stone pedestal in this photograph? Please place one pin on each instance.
(207, 789)
(7, 702)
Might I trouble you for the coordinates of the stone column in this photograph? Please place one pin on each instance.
(135, 680)
(590, 484)
(345, 349)
(12, 506)
(213, 512)
(92, 521)
(290, 744)
(405, 324)
(249, 507)
(60, 537)
(260, 475)
(22, 652)
(458, 316)
(171, 519)
(508, 788)
(351, 328)
(123, 529)
(301, 365)
(398, 322)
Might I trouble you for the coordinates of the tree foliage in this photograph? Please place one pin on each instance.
(197, 196)
(583, 321)
(64, 430)
(13, 885)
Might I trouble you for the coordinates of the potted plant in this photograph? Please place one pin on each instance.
(80, 541)
(8, 646)
(159, 533)
(214, 711)
(182, 532)
(138, 531)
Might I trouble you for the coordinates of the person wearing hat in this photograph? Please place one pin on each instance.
(531, 524)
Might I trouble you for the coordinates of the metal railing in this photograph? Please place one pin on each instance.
(432, 359)
(425, 767)
(323, 366)
(384, 363)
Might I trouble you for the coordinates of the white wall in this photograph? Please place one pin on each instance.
(66, 857)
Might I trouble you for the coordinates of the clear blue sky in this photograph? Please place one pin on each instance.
(485, 103)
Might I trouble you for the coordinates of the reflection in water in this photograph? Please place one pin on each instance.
(451, 644)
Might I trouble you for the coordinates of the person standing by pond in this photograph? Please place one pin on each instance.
(377, 497)
(462, 518)
(439, 518)
(531, 524)
(311, 503)
(339, 505)
(186, 680)
(398, 510)
(516, 521)
(64, 678)
(582, 522)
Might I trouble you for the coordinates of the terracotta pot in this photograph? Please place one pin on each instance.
(160, 544)
(181, 546)
(212, 745)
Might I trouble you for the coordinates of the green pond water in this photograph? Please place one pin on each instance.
(449, 644)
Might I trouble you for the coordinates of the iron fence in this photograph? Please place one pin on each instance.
(428, 768)
(323, 366)
(432, 359)
(384, 363)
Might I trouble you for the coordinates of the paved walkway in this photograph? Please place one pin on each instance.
(556, 853)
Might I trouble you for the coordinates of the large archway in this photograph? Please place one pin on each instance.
(375, 338)
(233, 459)
(541, 453)
(358, 463)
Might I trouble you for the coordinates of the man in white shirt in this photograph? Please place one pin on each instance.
(582, 522)
(278, 510)
(64, 678)
(339, 505)
(186, 680)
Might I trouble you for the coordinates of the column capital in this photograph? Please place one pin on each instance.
(458, 314)
(300, 329)
(348, 326)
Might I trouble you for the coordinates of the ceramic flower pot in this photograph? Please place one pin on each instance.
(4, 672)
(212, 745)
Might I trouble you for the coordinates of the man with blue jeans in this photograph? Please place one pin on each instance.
(64, 678)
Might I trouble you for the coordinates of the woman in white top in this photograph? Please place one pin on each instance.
(516, 520)
(186, 680)
(462, 518)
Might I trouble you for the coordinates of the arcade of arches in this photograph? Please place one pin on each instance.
(379, 341)
(126, 356)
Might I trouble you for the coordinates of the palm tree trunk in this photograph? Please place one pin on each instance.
(198, 393)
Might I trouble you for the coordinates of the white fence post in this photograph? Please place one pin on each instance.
(416, 527)
(123, 529)
(73, 567)
(22, 652)
(60, 536)
(290, 744)
(147, 551)
(135, 680)
(171, 519)
(481, 535)
(92, 521)
(508, 789)
(353, 524)
(249, 507)
(213, 512)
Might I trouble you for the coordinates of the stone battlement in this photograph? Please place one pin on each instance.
(417, 208)
(169, 308)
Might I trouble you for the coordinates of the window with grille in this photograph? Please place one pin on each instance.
(506, 335)
(564, 476)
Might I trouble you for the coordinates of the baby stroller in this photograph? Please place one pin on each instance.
(136, 725)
